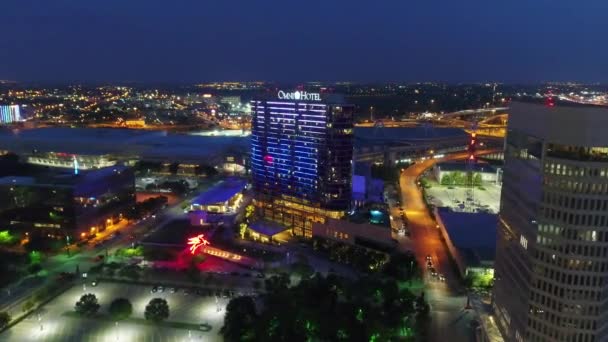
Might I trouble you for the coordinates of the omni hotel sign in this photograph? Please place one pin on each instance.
(299, 95)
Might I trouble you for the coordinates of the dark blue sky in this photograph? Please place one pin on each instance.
(288, 40)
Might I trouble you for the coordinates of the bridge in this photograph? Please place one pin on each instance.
(468, 112)
(491, 122)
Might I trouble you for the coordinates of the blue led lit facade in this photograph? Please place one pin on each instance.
(301, 159)
(10, 114)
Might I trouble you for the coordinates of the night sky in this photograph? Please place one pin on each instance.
(293, 41)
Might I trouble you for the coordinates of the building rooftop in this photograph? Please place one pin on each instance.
(474, 234)
(221, 192)
(562, 123)
(381, 135)
(63, 177)
(17, 180)
(147, 144)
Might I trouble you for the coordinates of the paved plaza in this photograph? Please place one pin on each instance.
(52, 325)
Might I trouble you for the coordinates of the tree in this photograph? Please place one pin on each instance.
(239, 320)
(130, 252)
(87, 305)
(34, 268)
(35, 257)
(458, 178)
(422, 315)
(6, 238)
(242, 230)
(193, 273)
(120, 308)
(157, 310)
(402, 266)
(249, 211)
(28, 305)
(477, 179)
(131, 272)
(277, 283)
(5, 319)
(39, 243)
(447, 179)
(302, 267)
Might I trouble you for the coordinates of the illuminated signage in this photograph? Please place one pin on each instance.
(197, 242)
(299, 95)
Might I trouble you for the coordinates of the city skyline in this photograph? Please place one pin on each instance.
(193, 42)
(303, 171)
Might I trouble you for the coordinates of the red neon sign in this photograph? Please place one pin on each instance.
(197, 242)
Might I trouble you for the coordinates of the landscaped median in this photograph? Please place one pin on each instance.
(142, 321)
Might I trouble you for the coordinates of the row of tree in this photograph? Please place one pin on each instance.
(461, 178)
(157, 309)
(147, 207)
(362, 259)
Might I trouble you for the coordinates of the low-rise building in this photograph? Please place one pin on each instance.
(222, 198)
(369, 228)
(66, 203)
(267, 231)
(365, 188)
(470, 238)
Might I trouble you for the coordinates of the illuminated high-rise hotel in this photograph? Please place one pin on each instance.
(10, 114)
(301, 158)
(551, 270)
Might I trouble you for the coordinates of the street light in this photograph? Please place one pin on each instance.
(40, 322)
(67, 244)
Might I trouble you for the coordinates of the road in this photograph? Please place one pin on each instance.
(447, 300)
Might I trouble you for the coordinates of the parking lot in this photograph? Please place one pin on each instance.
(185, 307)
(487, 200)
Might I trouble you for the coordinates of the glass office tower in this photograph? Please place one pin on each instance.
(551, 272)
(301, 158)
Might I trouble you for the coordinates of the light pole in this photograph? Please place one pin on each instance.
(116, 325)
(40, 322)
(67, 244)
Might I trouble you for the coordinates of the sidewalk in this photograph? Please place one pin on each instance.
(486, 319)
